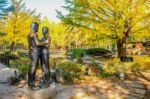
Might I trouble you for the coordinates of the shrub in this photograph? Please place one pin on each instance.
(22, 65)
(2, 33)
(114, 67)
(77, 53)
(22, 54)
(135, 67)
(10, 55)
(24, 68)
(71, 71)
(14, 55)
(53, 62)
(107, 74)
(95, 70)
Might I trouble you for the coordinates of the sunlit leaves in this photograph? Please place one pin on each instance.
(18, 21)
(111, 17)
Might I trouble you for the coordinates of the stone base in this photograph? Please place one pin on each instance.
(46, 93)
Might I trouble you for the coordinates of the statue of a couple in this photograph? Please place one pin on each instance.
(38, 52)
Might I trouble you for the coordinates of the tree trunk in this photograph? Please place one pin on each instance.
(121, 48)
(12, 46)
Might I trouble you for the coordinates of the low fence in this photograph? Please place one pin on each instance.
(4, 61)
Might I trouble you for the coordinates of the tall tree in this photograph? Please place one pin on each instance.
(4, 8)
(113, 19)
(18, 22)
(56, 32)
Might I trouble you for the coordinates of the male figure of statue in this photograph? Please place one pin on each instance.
(45, 58)
(34, 53)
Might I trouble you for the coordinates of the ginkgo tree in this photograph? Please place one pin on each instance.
(80, 37)
(56, 32)
(18, 22)
(116, 20)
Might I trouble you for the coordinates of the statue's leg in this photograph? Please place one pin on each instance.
(45, 67)
(34, 56)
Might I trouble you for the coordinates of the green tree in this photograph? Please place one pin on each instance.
(5, 7)
(116, 20)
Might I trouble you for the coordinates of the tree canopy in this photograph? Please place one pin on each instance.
(113, 19)
(88, 23)
(17, 22)
(4, 8)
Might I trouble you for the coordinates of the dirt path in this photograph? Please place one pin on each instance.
(144, 78)
(7, 91)
(87, 89)
(103, 89)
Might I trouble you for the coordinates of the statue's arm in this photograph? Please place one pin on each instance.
(49, 40)
(29, 46)
(38, 43)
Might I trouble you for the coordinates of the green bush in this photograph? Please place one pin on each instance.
(71, 71)
(24, 68)
(2, 33)
(107, 74)
(114, 67)
(22, 54)
(10, 55)
(77, 53)
(54, 62)
(21, 64)
(14, 55)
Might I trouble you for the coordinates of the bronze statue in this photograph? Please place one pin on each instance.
(45, 58)
(34, 53)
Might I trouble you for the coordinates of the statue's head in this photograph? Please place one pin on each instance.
(34, 26)
(45, 30)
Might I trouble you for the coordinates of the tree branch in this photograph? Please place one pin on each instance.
(141, 28)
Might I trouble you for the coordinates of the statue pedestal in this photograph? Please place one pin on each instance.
(46, 93)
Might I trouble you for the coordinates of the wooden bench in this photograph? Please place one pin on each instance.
(4, 61)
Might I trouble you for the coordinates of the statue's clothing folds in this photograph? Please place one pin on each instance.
(44, 58)
(34, 54)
